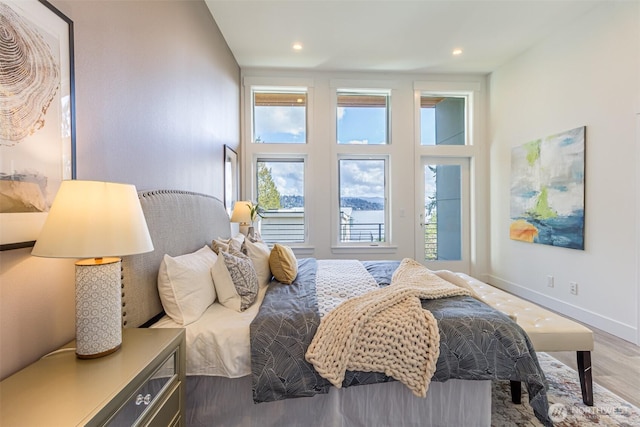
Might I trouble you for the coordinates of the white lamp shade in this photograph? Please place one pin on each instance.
(242, 212)
(91, 219)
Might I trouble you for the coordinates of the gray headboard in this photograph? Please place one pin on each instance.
(179, 222)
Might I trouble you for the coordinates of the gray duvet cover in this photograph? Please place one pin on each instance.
(477, 342)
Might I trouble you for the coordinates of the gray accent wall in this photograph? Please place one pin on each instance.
(157, 98)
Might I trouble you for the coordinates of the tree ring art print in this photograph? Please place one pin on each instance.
(29, 77)
(37, 129)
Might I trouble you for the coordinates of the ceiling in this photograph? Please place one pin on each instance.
(389, 35)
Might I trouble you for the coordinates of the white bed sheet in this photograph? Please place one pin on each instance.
(218, 343)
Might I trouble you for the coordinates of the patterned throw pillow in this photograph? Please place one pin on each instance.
(258, 253)
(235, 280)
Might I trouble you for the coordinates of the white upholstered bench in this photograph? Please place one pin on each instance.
(547, 331)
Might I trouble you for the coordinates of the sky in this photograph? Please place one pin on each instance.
(355, 126)
(361, 126)
(361, 178)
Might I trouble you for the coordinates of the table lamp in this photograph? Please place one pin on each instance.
(242, 214)
(101, 221)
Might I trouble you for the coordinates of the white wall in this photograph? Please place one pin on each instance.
(157, 97)
(321, 172)
(586, 74)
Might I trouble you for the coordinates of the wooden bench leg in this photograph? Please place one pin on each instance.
(516, 392)
(584, 372)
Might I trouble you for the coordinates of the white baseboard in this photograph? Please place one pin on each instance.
(614, 327)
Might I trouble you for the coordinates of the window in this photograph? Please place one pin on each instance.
(444, 153)
(279, 116)
(442, 120)
(362, 152)
(362, 118)
(363, 197)
(281, 194)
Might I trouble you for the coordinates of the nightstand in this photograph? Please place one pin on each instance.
(143, 383)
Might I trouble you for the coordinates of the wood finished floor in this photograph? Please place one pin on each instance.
(615, 364)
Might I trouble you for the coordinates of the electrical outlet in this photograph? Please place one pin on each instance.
(573, 288)
(550, 281)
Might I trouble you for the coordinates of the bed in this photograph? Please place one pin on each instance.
(235, 379)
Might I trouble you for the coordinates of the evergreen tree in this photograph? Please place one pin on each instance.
(268, 194)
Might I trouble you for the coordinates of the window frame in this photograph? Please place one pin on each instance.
(468, 90)
(466, 200)
(292, 158)
(365, 92)
(403, 148)
(277, 89)
(467, 96)
(473, 154)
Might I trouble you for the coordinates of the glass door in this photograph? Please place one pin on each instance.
(443, 226)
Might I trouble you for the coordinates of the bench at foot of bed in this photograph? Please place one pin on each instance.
(584, 373)
(547, 331)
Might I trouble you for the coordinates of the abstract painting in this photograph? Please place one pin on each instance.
(547, 190)
(37, 129)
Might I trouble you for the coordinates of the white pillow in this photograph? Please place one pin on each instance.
(185, 285)
(235, 281)
(228, 245)
(259, 253)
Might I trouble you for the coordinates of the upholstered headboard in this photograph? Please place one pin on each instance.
(179, 222)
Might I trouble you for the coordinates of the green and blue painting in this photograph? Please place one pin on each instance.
(547, 190)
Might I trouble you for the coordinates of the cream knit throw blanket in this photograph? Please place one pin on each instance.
(385, 330)
(338, 280)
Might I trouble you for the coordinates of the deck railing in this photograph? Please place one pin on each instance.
(362, 232)
(431, 241)
(356, 232)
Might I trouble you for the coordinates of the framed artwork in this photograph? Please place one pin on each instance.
(231, 178)
(37, 116)
(547, 190)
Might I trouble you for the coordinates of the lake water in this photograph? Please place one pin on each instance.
(370, 217)
(366, 226)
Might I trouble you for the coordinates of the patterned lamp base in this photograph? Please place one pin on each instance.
(98, 307)
(243, 228)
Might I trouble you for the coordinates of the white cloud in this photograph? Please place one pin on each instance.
(289, 120)
(362, 178)
(288, 177)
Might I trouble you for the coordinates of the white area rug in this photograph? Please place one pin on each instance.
(565, 400)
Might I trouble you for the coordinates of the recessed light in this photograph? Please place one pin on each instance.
(457, 52)
(297, 46)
